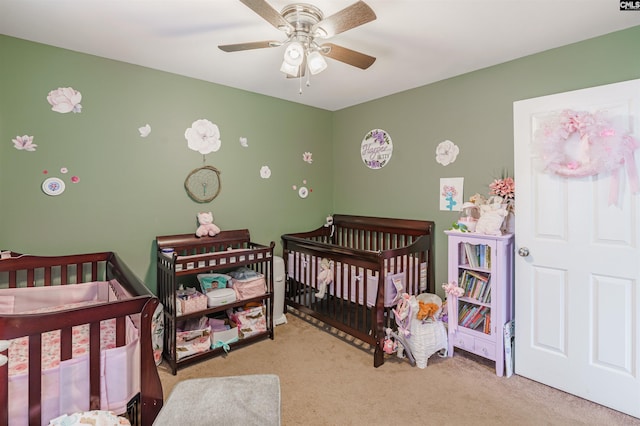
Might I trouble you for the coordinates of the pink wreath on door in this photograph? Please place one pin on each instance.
(579, 144)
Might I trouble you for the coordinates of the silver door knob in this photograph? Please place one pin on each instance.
(524, 252)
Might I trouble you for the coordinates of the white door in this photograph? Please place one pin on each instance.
(577, 295)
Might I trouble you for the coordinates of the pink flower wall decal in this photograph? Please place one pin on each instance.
(24, 143)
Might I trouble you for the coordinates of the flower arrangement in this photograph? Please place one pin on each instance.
(506, 189)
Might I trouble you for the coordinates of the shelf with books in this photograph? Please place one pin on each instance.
(482, 266)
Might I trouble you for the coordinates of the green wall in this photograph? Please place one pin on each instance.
(472, 110)
(131, 187)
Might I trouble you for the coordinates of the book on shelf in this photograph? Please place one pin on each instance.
(477, 255)
(475, 285)
(487, 324)
(473, 316)
(471, 257)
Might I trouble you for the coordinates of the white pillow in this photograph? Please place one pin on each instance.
(95, 417)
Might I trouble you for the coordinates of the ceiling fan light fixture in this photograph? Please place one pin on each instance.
(289, 69)
(294, 54)
(316, 62)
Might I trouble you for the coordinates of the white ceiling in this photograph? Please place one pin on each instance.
(416, 42)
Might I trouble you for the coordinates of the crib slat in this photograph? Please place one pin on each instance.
(47, 276)
(94, 365)
(4, 390)
(35, 379)
(120, 332)
(66, 343)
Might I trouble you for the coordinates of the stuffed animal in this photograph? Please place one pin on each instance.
(207, 227)
(325, 277)
(426, 310)
(491, 217)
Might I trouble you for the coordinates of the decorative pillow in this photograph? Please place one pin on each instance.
(94, 418)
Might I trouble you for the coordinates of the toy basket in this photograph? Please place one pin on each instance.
(427, 337)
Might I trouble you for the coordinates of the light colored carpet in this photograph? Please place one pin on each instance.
(248, 400)
(327, 378)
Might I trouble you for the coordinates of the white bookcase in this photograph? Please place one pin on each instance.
(483, 266)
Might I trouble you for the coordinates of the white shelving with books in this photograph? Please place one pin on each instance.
(482, 267)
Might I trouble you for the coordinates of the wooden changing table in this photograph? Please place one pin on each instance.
(191, 256)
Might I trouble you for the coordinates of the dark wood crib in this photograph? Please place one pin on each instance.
(372, 261)
(127, 302)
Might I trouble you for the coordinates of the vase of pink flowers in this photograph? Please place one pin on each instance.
(505, 188)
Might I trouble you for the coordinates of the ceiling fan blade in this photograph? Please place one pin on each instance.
(249, 46)
(350, 17)
(348, 56)
(269, 14)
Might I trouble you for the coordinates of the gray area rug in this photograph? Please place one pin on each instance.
(236, 400)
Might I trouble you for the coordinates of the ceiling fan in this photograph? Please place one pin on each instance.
(305, 27)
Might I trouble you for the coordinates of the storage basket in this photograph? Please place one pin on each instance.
(190, 342)
(426, 339)
(250, 287)
(194, 302)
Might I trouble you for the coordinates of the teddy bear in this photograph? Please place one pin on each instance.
(491, 217)
(427, 310)
(325, 277)
(207, 227)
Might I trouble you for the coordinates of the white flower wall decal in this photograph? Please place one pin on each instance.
(203, 136)
(446, 152)
(64, 100)
(144, 130)
(265, 172)
(243, 142)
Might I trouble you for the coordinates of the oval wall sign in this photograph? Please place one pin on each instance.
(376, 149)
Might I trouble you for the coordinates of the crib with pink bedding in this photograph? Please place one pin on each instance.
(75, 335)
(373, 261)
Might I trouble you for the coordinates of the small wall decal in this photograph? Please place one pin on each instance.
(265, 172)
(24, 143)
(53, 186)
(451, 190)
(303, 191)
(144, 130)
(243, 142)
(64, 100)
(376, 149)
(307, 157)
(446, 152)
(203, 136)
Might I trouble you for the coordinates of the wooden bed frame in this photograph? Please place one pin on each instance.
(359, 246)
(139, 305)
